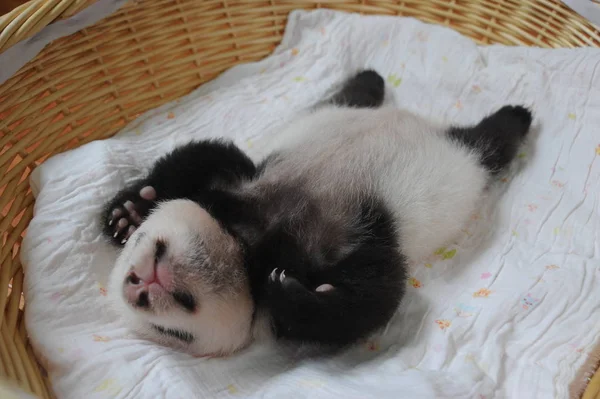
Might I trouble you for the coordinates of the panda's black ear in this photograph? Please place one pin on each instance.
(366, 89)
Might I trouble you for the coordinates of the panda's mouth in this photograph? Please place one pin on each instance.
(180, 335)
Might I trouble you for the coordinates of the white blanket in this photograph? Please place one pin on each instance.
(510, 313)
(589, 9)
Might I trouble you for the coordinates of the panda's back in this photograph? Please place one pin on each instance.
(339, 156)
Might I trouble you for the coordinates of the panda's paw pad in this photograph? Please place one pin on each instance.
(324, 288)
(127, 212)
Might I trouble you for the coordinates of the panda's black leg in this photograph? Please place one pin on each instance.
(497, 137)
(341, 303)
(186, 172)
(364, 90)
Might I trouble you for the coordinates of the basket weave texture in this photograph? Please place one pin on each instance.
(88, 85)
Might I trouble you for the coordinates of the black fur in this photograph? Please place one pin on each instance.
(361, 261)
(497, 137)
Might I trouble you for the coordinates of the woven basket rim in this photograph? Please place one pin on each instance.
(31, 17)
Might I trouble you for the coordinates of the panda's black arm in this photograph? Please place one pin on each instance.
(334, 304)
(195, 167)
(186, 172)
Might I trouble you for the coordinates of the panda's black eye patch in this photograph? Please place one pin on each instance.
(174, 333)
(160, 250)
(185, 299)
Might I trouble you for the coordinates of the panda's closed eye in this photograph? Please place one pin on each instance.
(160, 250)
(185, 299)
(174, 333)
(139, 238)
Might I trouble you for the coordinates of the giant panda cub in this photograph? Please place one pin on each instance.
(309, 246)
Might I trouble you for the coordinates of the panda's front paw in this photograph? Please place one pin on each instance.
(126, 211)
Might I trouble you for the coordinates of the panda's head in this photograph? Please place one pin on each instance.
(180, 281)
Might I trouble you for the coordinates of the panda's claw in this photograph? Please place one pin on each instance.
(273, 275)
(114, 216)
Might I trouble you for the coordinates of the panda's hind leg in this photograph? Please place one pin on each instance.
(366, 89)
(497, 137)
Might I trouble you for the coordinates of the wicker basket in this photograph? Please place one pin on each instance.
(89, 85)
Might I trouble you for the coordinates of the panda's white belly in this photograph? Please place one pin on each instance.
(431, 184)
